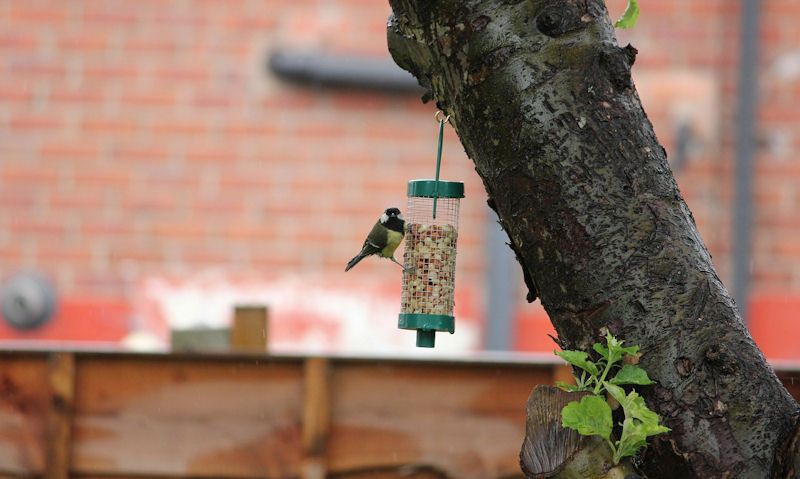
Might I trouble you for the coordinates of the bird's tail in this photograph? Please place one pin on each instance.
(354, 261)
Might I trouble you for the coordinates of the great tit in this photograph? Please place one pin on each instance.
(384, 238)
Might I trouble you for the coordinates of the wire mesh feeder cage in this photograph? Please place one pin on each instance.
(430, 258)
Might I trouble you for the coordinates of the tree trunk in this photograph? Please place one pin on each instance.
(542, 99)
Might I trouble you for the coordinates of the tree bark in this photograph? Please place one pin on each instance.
(542, 99)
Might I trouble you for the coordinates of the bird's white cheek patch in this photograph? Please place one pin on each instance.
(384, 218)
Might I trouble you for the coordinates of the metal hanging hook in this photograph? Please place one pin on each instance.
(439, 113)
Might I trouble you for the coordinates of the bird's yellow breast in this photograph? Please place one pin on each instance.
(393, 240)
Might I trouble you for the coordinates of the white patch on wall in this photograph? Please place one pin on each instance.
(786, 67)
(306, 315)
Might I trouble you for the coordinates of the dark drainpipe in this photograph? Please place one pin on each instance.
(747, 101)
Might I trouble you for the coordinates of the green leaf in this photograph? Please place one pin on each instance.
(640, 422)
(633, 404)
(616, 392)
(590, 417)
(629, 16)
(630, 374)
(601, 350)
(634, 436)
(569, 387)
(579, 359)
(615, 350)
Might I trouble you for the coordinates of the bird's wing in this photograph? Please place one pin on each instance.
(376, 240)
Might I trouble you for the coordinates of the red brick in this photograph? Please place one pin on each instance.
(265, 20)
(180, 19)
(61, 94)
(16, 199)
(22, 12)
(37, 67)
(250, 231)
(150, 45)
(289, 100)
(177, 182)
(360, 101)
(205, 256)
(11, 253)
(199, 73)
(109, 125)
(18, 42)
(28, 174)
(398, 132)
(24, 225)
(15, 93)
(789, 247)
(106, 72)
(82, 199)
(224, 205)
(262, 128)
(213, 100)
(104, 289)
(115, 17)
(84, 42)
(181, 127)
(95, 227)
(151, 201)
(232, 182)
(26, 122)
(162, 97)
(71, 149)
(130, 251)
(319, 129)
(184, 229)
(139, 152)
(103, 178)
(51, 252)
(213, 154)
(780, 114)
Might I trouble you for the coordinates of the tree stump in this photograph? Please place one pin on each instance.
(552, 451)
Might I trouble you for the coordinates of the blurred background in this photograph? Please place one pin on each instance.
(162, 162)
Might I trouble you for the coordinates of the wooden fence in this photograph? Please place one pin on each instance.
(121, 415)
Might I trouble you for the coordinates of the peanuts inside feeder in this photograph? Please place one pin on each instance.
(430, 258)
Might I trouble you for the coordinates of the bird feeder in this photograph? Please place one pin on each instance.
(430, 258)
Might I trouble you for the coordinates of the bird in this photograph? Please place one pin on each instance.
(383, 239)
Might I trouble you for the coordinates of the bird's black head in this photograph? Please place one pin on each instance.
(392, 219)
(392, 212)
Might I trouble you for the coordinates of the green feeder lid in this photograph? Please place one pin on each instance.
(427, 188)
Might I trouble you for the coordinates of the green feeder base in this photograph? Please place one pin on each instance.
(426, 326)
(425, 338)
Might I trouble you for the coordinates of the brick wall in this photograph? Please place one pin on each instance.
(148, 138)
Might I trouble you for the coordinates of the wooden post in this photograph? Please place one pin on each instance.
(61, 378)
(316, 418)
(249, 330)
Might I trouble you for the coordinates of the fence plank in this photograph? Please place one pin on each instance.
(61, 378)
(316, 418)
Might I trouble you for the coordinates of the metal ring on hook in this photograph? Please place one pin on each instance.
(436, 117)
